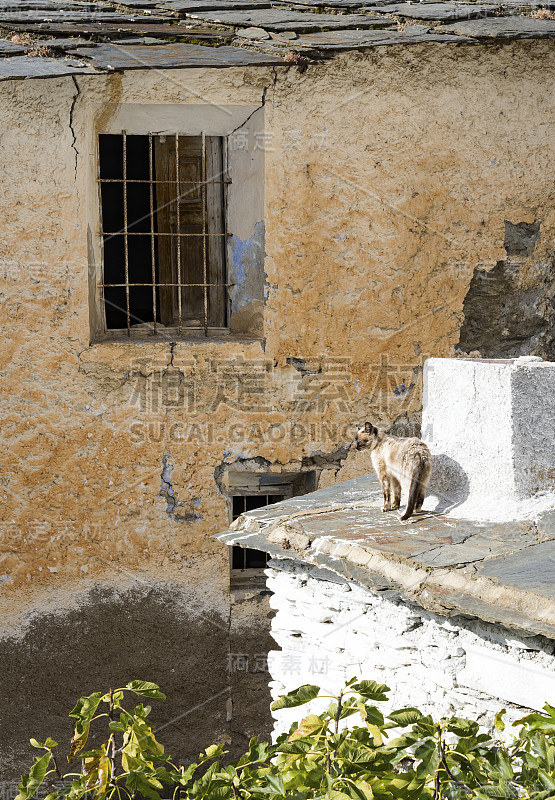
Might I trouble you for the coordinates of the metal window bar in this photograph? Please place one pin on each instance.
(168, 182)
(204, 242)
(152, 240)
(155, 236)
(178, 202)
(125, 239)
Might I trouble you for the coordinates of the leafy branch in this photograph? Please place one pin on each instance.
(319, 758)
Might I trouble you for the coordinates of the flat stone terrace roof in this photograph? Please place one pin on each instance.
(42, 38)
(500, 572)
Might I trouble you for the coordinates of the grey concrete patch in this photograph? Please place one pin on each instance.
(504, 312)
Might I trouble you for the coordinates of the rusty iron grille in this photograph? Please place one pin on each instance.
(162, 228)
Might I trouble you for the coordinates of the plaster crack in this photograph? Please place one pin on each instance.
(242, 124)
(71, 110)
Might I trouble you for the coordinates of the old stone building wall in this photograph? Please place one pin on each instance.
(389, 179)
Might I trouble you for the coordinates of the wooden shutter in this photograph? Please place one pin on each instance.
(188, 207)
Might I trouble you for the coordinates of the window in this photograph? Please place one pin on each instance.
(248, 491)
(163, 233)
(246, 557)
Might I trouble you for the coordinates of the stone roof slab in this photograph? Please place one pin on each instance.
(113, 56)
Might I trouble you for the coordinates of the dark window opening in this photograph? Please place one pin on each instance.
(246, 557)
(250, 490)
(163, 232)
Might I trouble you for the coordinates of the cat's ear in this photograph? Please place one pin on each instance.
(369, 428)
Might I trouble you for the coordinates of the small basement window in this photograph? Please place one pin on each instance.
(248, 491)
(163, 233)
(246, 557)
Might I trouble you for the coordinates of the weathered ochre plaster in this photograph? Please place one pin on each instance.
(388, 177)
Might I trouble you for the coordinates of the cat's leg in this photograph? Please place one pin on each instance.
(422, 490)
(419, 501)
(396, 487)
(386, 488)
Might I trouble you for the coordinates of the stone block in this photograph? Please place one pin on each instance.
(491, 427)
(498, 674)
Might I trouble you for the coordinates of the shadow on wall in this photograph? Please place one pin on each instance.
(112, 637)
(448, 482)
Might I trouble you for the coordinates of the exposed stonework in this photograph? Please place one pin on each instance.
(508, 310)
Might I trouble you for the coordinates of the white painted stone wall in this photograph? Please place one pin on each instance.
(330, 630)
(491, 428)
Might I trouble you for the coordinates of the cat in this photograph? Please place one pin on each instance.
(397, 461)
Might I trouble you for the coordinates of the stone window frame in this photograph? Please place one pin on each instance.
(243, 215)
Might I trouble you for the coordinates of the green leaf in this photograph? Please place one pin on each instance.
(404, 717)
(307, 727)
(498, 720)
(146, 689)
(334, 794)
(298, 697)
(275, 783)
(49, 743)
(376, 734)
(214, 750)
(79, 740)
(547, 780)
(462, 727)
(370, 714)
(34, 778)
(83, 712)
(502, 789)
(371, 690)
(363, 790)
(85, 708)
(428, 754)
(104, 773)
(137, 782)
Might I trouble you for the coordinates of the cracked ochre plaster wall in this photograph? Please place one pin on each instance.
(388, 179)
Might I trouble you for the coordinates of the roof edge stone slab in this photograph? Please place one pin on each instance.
(343, 529)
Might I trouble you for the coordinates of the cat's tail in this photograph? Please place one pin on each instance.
(417, 484)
